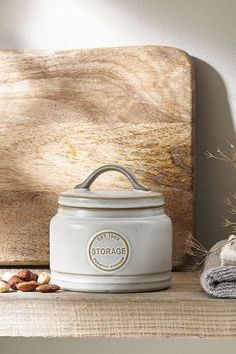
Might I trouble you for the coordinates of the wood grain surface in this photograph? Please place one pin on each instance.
(183, 310)
(63, 114)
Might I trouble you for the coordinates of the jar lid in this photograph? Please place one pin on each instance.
(83, 197)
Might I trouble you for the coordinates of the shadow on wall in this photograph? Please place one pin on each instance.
(214, 179)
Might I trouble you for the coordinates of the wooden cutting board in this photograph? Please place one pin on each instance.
(63, 114)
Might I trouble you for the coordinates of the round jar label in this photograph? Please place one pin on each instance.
(108, 250)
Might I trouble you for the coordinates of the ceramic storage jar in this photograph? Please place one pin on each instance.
(111, 241)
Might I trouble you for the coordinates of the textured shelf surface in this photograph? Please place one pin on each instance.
(184, 310)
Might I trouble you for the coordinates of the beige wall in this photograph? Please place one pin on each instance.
(206, 29)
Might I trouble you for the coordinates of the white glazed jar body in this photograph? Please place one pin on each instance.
(111, 250)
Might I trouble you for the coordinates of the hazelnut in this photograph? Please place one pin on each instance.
(44, 278)
(13, 281)
(27, 275)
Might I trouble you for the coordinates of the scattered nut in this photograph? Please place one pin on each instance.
(4, 287)
(26, 281)
(48, 288)
(14, 281)
(27, 286)
(6, 276)
(27, 275)
(44, 278)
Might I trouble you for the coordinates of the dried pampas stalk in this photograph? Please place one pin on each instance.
(230, 205)
(229, 157)
(193, 247)
(198, 252)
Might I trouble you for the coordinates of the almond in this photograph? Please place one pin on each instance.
(48, 288)
(27, 286)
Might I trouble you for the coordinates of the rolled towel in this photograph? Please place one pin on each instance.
(216, 279)
(228, 252)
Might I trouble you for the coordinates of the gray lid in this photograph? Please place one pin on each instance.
(83, 197)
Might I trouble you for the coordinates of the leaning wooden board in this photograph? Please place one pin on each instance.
(63, 114)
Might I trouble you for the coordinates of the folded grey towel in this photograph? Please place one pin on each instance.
(216, 279)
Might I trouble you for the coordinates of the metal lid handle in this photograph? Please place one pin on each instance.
(95, 174)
